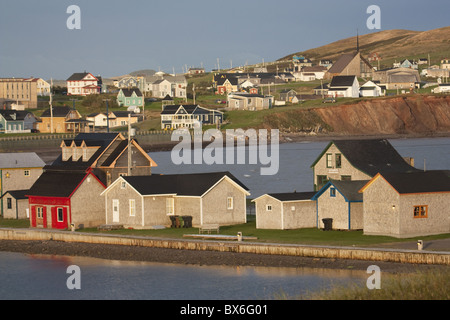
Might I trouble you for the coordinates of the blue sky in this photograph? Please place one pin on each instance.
(117, 37)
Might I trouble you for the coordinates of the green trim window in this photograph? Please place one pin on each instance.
(329, 160)
(338, 159)
(321, 181)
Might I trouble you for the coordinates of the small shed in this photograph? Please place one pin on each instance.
(15, 204)
(283, 211)
(342, 202)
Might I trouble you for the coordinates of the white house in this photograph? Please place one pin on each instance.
(83, 84)
(371, 89)
(344, 86)
(98, 119)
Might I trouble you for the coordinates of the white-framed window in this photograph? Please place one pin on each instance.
(170, 206)
(60, 214)
(269, 207)
(40, 212)
(132, 207)
(229, 202)
(123, 185)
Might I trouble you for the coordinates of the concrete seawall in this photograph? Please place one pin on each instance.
(368, 254)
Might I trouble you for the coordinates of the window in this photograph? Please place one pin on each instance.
(420, 211)
(321, 180)
(123, 185)
(60, 215)
(230, 203)
(333, 192)
(346, 178)
(132, 207)
(269, 207)
(329, 160)
(338, 160)
(40, 212)
(9, 203)
(170, 206)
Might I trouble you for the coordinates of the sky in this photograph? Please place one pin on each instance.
(118, 37)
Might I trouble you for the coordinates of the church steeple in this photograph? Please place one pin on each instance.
(357, 41)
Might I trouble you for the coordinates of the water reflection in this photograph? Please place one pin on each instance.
(44, 277)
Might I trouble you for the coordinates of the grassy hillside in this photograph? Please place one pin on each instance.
(390, 44)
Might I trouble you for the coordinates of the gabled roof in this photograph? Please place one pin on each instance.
(14, 115)
(61, 184)
(129, 92)
(370, 156)
(196, 184)
(20, 160)
(342, 62)
(348, 189)
(17, 194)
(415, 182)
(79, 76)
(173, 109)
(342, 81)
(291, 196)
(58, 112)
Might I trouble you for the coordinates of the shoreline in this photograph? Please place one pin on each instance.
(200, 258)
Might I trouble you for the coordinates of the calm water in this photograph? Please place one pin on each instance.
(44, 277)
(296, 158)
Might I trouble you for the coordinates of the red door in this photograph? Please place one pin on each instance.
(59, 218)
(39, 217)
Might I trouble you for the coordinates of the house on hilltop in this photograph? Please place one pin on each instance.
(132, 97)
(344, 86)
(350, 64)
(83, 84)
(189, 116)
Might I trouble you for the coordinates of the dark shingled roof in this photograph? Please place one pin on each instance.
(342, 62)
(292, 196)
(419, 182)
(17, 194)
(56, 184)
(342, 81)
(195, 184)
(371, 156)
(58, 112)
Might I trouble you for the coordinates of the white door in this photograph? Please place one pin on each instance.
(115, 205)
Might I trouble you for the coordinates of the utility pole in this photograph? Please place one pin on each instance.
(51, 106)
(129, 144)
(193, 91)
(107, 114)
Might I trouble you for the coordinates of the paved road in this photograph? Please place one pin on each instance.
(431, 245)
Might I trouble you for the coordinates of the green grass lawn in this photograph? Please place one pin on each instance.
(310, 236)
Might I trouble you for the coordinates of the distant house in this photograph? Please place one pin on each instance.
(350, 64)
(227, 85)
(284, 211)
(322, 89)
(318, 71)
(18, 171)
(344, 86)
(397, 78)
(196, 70)
(301, 61)
(405, 205)
(442, 88)
(143, 202)
(445, 64)
(83, 84)
(15, 121)
(246, 101)
(121, 118)
(97, 120)
(159, 86)
(43, 87)
(371, 89)
(130, 97)
(287, 94)
(189, 116)
(63, 120)
(357, 160)
(341, 202)
(131, 82)
(408, 64)
(326, 63)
